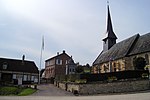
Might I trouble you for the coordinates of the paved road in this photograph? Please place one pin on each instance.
(51, 90)
(138, 96)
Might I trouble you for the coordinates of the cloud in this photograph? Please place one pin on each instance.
(76, 26)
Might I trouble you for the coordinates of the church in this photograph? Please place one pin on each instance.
(120, 56)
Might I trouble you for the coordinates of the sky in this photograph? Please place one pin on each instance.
(76, 26)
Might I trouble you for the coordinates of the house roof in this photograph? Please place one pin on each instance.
(117, 51)
(142, 45)
(71, 62)
(18, 65)
(57, 56)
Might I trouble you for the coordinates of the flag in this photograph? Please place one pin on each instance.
(43, 43)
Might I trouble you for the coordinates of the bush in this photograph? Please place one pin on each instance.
(81, 81)
(139, 63)
(112, 78)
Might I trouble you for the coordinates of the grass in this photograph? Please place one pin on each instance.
(9, 90)
(16, 91)
(26, 92)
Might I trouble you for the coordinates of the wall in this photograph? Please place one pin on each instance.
(125, 63)
(114, 87)
(119, 65)
(139, 55)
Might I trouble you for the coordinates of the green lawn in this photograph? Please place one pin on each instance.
(26, 92)
(17, 91)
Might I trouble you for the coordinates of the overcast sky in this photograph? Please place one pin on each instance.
(76, 26)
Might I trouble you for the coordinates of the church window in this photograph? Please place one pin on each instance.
(134, 61)
(115, 67)
(119, 66)
(147, 59)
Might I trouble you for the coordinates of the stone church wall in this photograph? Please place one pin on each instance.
(131, 58)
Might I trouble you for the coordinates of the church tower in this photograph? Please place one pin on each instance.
(110, 38)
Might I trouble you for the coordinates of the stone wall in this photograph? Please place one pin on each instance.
(98, 88)
(115, 87)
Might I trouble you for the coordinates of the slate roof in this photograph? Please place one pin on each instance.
(142, 45)
(117, 51)
(71, 62)
(109, 31)
(18, 66)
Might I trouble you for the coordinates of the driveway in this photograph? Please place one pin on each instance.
(50, 90)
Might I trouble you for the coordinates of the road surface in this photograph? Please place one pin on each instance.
(137, 96)
(51, 90)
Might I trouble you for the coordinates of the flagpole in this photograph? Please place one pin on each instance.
(42, 48)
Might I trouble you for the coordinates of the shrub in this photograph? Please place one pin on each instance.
(145, 75)
(112, 78)
(81, 81)
(139, 63)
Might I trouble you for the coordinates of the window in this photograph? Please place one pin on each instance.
(24, 77)
(119, 67)
(59, 62)
(47, 63)
(14, 76)
(5, 65)
(28, 77)
(106, 69)
(32, 78)
(66, 62)
(147, 59)
(115, 67)
(73, 70)
(70, 69)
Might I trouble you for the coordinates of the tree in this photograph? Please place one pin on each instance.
(139, 63)
(79, 69)
(87, 65)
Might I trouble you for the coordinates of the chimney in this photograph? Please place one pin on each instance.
(57, 53)
(23, 58)
(63, 51)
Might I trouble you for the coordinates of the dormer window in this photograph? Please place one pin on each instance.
(5, 65)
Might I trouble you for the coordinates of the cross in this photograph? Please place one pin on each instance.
(107, 2)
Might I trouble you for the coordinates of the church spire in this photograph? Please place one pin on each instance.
(110, 38)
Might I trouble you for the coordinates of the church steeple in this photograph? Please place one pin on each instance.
(110, 38)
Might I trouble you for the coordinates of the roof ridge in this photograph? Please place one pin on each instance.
(57, 56)
(16, 59)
